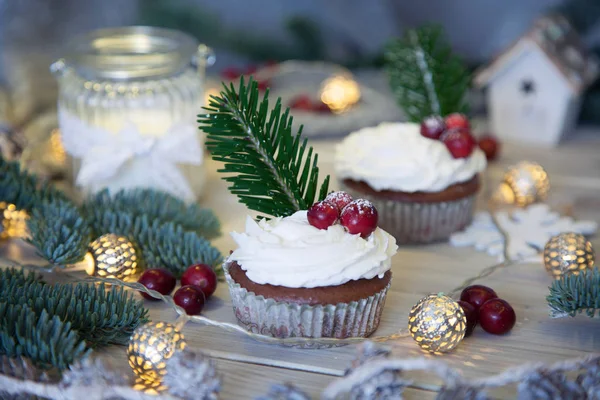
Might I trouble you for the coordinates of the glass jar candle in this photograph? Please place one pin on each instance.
(127, 109)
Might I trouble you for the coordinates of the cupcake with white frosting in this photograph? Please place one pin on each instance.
(290, 278)
(424, 187)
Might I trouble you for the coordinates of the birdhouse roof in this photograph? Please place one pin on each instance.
(561, 44)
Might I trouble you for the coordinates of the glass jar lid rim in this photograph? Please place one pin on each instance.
(133, 52)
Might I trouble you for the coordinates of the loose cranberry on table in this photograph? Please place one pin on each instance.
(460, 143)
(322, 214)
(496, 316)
(360, 217)
(339, 199)
(190, 298)
(490, 147)
(472, 316)
(301, 102)
(457, 120)
(476, 295)
(201, 276)
(433, 127)
(159, 279)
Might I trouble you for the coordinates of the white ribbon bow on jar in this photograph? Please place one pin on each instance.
(129, 159)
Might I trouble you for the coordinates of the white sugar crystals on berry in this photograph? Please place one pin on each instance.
(339, 199)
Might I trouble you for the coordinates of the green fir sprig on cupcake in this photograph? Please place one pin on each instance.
(269, 165)
(425, 76)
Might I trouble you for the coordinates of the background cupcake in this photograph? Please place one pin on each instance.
(422, 179)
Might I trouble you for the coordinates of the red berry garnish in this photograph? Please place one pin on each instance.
(339, 199)
(323, 214)
(322, 107)
(263, 85)
(490, 147)
(459, 142)
(301, 102)
(201, 276)
(432, 127)
(472, 316)
(231, 73)
(250, 69)
(360, 217)
(159, 279)
(457, 120)
(476, 295)
(190, 298)
(496, 316)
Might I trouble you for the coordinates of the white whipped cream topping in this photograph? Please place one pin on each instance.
(394, 156)
(292, 253)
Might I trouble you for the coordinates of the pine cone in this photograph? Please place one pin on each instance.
(589, 379)
(285, 392)
(192, 376)
(93, 371)
(369, 351)
(20, 367)
(547, 385)
(386, 385)
(461, 392)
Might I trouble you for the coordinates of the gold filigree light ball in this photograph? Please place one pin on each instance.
(150, 346)
(111, 256)
(528, 183)
(437, 323)
(13, 222)
(568, 253)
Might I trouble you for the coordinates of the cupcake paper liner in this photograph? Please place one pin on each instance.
(266, 316)
(413, 222)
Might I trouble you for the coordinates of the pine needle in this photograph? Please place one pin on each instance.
(59, 232)
(99, 316)
(270, 169)
(575, 294)
(155, 205)
(46, 341)
(425, 76)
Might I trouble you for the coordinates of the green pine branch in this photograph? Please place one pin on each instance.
(59, 232)
(425, 76)
(23, 189)
(99, 316)
(155, 205)
(270, 169)
(47, 341)
(575, 294)
(163, 245)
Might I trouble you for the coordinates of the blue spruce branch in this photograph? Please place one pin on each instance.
(155, 206)
(59, 232)
(575, 294)
(99, 316)
(47, 341)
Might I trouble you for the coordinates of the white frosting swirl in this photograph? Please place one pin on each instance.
(292, 253)
(394, 156)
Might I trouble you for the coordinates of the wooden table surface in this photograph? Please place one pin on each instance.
(249, 368)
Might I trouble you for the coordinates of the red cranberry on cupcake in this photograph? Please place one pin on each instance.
(356, 216)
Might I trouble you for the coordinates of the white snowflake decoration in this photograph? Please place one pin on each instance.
(527, 231)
